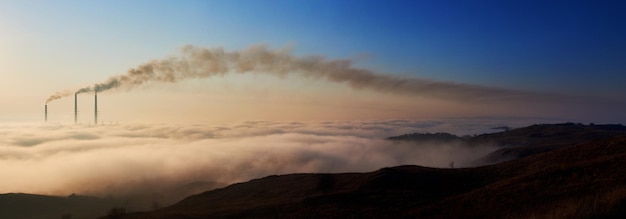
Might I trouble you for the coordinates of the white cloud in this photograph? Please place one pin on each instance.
(121, 159)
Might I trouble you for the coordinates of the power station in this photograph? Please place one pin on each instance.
(95, 109)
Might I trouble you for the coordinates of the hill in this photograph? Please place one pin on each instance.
(522, 142)
(587, 180)
(29, 206)
(428, 137)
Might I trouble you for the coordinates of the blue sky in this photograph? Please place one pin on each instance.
(567, 47)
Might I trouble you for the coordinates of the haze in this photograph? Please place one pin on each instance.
(324, 82)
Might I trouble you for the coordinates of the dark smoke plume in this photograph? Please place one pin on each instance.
(194, 62)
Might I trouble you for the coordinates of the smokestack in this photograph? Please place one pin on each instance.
(95, 109)
(46, 113)
(75, 108)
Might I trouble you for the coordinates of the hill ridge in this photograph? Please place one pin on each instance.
(414, 191)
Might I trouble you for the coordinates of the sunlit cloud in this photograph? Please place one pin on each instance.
(120, 159)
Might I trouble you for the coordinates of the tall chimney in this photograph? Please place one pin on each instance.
(75, 108)
(46, 113)
(95, 109)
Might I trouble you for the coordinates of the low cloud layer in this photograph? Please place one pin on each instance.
(123, 159)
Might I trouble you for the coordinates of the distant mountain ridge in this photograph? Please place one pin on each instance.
(526, 141)
(429, 137)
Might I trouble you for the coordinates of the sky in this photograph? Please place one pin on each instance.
(555, 59)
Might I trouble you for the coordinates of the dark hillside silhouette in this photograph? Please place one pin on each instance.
(522, 142)
(586, 180)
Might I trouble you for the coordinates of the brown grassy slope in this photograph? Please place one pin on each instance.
(388, 191)
(583, 181)
(587, 180)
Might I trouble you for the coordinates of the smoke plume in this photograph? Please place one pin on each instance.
(58, 95)
(194, 62)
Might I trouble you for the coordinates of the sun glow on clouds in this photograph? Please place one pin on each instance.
(120, 159)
